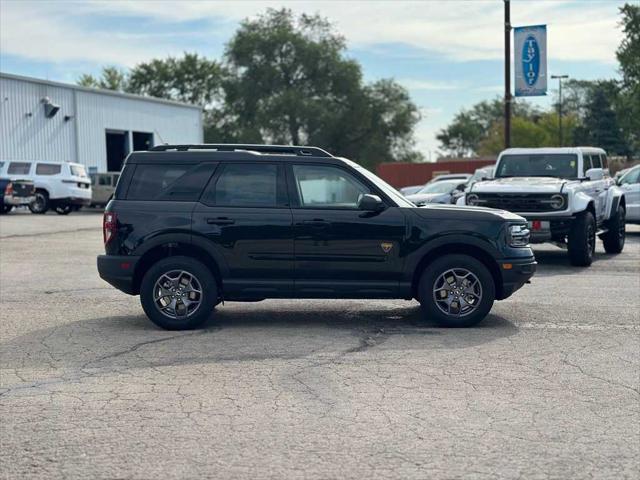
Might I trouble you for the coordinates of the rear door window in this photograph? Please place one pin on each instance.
(19, 168)
(177, 182)
(48, 168)
(248, 185)
(595, 161)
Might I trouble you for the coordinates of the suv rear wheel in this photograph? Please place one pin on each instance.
(582, 240)
(456, 291)
(178, 293)
(40, 203)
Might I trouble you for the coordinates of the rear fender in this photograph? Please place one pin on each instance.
(615, 197)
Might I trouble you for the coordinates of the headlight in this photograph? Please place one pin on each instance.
(557, 202)
(518, 236)
(472, 199)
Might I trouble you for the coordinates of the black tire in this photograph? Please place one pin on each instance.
(430, 279)
(582, 240)
(205, 280)
(5, 209)
(63, 209)
(613, 240)
(41, 203)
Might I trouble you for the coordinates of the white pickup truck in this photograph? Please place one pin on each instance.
(566, 194)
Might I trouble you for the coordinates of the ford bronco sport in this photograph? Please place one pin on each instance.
(566, 194)
(192, 225)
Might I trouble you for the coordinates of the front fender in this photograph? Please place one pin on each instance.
(580, 201)
(615, 195)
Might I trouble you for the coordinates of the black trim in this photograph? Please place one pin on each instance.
(222, 147)
(110, 269)
(515, 277)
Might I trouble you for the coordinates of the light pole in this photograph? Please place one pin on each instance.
(507, 74)
(559, 78)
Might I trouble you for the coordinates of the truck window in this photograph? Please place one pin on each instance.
(19, 168)
(48, 168)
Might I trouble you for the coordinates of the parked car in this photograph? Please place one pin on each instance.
(410, 190)
(481, 174)
(61, 186)
(630, 185)
(102, 187)
(566, 194)
(15, 193)
(192, 225)
(443, 191)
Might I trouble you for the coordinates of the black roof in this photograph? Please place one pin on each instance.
(216, 152)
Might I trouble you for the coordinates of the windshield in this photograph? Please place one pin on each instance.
(561, 165)
(395, 195)
(78, 171)
(443, 186)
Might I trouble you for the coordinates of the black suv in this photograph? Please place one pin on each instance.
(192, 225)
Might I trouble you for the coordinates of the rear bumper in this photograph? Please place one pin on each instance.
(515, 273)
(17, 201)
(118, 272)
(75, 201)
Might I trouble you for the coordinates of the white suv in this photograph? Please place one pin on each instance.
(566, 194)
(61, 186)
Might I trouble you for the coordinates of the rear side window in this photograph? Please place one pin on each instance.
(19, 168)
(586, 159)
(249, 185)
(178, 182)
(104, 180)
(605, 163)
(78, 171)
(595, 161)
(48, 168)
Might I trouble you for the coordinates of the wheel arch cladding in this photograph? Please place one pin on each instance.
(460, 249)
(172, 249)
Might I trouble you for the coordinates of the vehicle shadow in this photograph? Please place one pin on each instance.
(240, 332)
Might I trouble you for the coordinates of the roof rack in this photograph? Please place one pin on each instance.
(231, 147)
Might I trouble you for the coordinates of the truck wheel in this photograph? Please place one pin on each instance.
(40, 204)
(178, 293)
(456, 291)
(582, 240)
(613, 240)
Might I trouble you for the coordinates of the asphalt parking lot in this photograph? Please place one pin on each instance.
(547, 387)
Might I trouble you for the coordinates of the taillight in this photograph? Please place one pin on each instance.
(9, 189)
(109, 226)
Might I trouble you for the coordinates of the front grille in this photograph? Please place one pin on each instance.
(519, 202)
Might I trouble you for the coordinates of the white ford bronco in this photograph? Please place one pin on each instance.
(566, 194)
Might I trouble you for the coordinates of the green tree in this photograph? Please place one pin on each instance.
(111, 78)
(524, 133)
(462, 138)
(290, 82)
(628, 52)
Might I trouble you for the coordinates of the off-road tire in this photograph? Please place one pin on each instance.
(194, 267)
(41, 203)
(435, 270)
(613, 239)
(582, 240)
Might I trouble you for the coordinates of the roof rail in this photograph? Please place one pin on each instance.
(231, 147)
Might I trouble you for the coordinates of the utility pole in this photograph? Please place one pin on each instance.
(559, 78)
(507, 74)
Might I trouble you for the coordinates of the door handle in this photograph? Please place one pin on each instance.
(220, 221)
(316, 223)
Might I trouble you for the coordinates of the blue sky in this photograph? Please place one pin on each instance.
(447, 53)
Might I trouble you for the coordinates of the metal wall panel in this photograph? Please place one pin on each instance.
(25, 132)
(82, 137)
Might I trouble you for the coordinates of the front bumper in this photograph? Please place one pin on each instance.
(515, 273)
(17, 201)
(118, 271)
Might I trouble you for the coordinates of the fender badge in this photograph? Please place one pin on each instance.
(386, 246)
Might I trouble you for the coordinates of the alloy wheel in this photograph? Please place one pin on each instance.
(457, 292)
(177, 294)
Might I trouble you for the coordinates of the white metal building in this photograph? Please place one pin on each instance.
(43, 120)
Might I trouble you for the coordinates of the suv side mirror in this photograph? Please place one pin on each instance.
(595, 174)
(370, 203)
(462, 187)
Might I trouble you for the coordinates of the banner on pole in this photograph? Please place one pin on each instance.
(530, 58)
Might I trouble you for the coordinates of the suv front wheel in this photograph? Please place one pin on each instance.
(582, 240)
(40, 203)
(178, 293)
(456, 291)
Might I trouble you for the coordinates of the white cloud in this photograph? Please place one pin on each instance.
(458, 30)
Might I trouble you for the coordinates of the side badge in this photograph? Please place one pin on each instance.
(386, 246)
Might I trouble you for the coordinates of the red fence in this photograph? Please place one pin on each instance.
(405, 174)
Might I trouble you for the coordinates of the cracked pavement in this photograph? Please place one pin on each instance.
(548, 386)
